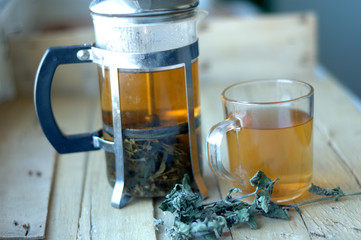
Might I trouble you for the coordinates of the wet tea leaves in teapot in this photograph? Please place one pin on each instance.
(154, 166)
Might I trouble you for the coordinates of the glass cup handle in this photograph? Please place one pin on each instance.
(214, 141)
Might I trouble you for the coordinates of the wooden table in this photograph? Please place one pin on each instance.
(69, 195)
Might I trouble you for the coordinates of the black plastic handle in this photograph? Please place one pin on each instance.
(53, 57)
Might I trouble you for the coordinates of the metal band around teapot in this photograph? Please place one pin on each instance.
(141, 62)
(144, 62)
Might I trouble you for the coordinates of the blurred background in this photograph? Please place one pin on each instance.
(29, 27)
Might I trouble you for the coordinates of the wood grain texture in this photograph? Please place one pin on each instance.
(337, 163)
(74, 115)
(98, 219)
(80, 200)
(26, 169)
(28, 49)
(266, 46)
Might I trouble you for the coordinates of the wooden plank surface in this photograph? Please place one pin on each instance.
(74, 115)
(267, 46)
(26, 169)
(98, 219)
(80, 203)
(80, 200)
(28, 49)
(337, 161)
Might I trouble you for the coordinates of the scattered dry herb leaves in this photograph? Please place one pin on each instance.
(196, 220)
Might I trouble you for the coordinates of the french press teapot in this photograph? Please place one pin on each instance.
(146, 52)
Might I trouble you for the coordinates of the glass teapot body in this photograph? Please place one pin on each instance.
(153, 99)
(149, 93)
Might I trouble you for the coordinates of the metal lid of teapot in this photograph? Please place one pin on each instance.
(128, 8)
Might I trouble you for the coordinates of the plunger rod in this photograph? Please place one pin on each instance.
(151, 117)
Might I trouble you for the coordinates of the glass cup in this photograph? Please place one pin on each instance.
(269, 127)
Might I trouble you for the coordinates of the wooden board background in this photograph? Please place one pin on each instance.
(26, 170)
(79, 206)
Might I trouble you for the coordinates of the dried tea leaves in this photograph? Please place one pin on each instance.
(195, 220)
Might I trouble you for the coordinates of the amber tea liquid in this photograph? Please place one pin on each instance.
(157, 102)
(279, 142)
